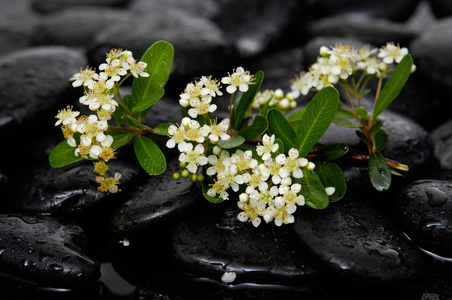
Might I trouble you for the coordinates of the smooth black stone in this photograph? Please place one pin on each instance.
(68, 190)
(359, 242)
(196, 8)
(441, 8)
(46, 6)
(441, 139)
(13, 38)
(35, 81)
(432, 53)
(77, 26)
(200, 46)
(397, 10)
(280, 68)
(376, 32)
(158, 199)
(41, 252)
(255, 25)
(438, 283)
(408, 144)
(424, 209)
(213, 242)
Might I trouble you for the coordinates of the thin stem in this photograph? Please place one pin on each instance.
(230, 112)
(377, 94)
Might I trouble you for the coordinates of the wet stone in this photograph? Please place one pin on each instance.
(441, 139)
(377, 32)
(441, 8)
(41, 252)
(432, 51)
(34, 81)
(68, 189)
(397, 10)
(197, 8)
(46, 6)
(254, 25)
(424, 209)
(156, 200)
(58, 27)
(214, 242)
(186, 33)
(359, 242)
(408, 144)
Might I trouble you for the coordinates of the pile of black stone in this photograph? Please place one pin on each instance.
(158, 239)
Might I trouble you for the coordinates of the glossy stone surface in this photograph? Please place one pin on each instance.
(214, 243)
(157, 200)
(40, 251)
(359, 242)
(424, 209)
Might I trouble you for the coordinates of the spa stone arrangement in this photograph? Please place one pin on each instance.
(67, 232)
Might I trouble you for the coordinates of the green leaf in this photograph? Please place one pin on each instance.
(281, 146)
(394, 85)
(362, 137)
(332, 175)
(331, 152)
(148, 90)
(379, 172)
(63, 155)
(375, 128)
(296, 116)
(255, 130)
(149, 155)
(344, 122)
(162, 129)
(232, 142)
(313, 190)
(246, 100)
(280, 127)
(266, 107)
(381, 140)
(137, 123)
(120, 137)
(319, 114)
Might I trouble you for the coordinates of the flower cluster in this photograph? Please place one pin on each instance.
(275, 99)
(88, 133)
(269, 190)
(340, 62)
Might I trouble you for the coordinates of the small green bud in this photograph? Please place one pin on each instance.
(176, 175)
(193, 177)
(183, 165)
(185, 173)
(200, 178)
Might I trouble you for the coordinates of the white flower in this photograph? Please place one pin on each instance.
(219, 131)
(330, 190)
(268, 147)
(138, 69)
(193, 156)
(200, 107)
(240, 79)
(85, 77)
(391, 53)
(67, 116)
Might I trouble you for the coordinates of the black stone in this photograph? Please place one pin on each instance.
(158, 199)
(213, 242)
(196, 8)
(35, 81)
(201, 48)
(441, 139)
(432, 53)
(424, 209)
(359, 242)
(67, 190)
(441, 8)
(41, 252)
(398, 10)
(46, 6)
(78, 26)
(255, 25)
(376, 32)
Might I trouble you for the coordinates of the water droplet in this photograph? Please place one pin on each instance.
(432, 224)
(125, 242)
(56, 268)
